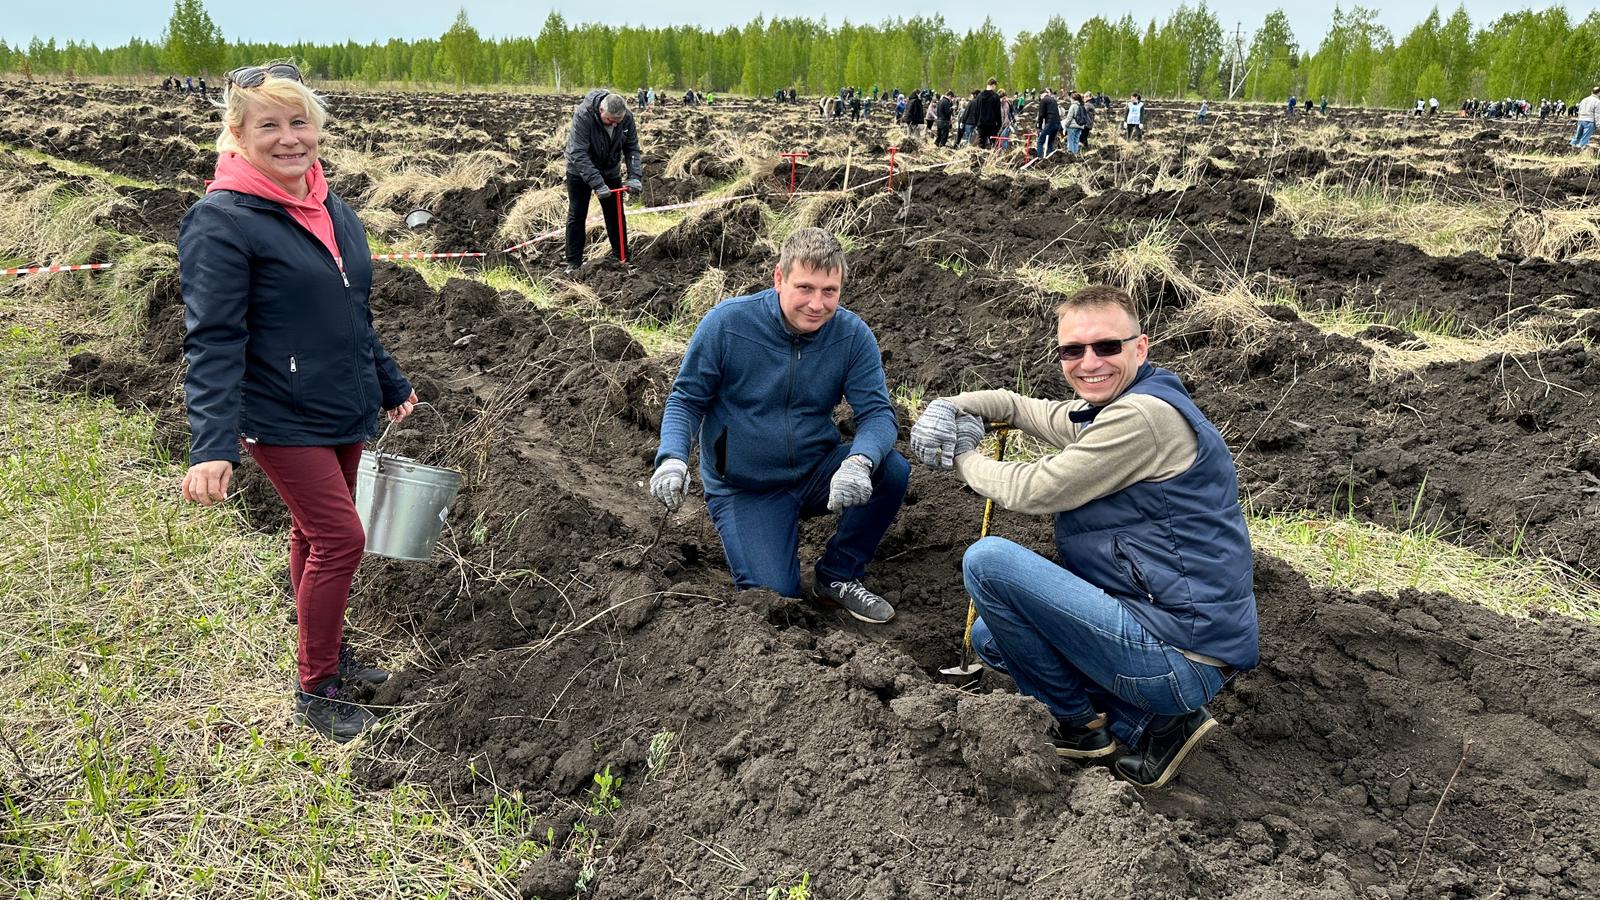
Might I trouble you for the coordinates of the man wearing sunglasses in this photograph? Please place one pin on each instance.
(1151, 607)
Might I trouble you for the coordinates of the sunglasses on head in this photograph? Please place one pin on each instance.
(1102, 349)
(255, 76)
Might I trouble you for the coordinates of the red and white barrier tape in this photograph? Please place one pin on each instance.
(597, 217)
(37, 270)
(456, 255)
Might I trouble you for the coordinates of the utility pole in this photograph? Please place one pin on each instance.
(1235, 60)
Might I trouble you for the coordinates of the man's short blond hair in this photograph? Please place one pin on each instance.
(275, 91)
(814, 248)
(1101, 295)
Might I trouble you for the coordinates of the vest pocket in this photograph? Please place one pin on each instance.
(1130, 562)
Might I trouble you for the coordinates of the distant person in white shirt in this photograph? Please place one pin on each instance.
(1587, 107)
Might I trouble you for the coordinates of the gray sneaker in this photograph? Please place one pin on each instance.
(854, 598)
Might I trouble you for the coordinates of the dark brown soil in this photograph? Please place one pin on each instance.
(556, 646)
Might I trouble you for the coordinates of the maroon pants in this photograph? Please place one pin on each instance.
(325, 543)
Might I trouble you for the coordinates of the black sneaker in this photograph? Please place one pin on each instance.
(1078, 742)
(854, 598)
(1167, 742)
(352, 668)
(328, 710)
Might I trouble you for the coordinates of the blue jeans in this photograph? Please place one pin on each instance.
(761, 531)
(1585, 131)
(1074, 135)
(1047, 140)
(1074, 647)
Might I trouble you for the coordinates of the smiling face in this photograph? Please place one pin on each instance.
(808, 297)
(281, 141)
(1094, 378)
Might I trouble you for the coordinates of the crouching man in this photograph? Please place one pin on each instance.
(1151, 607)
(759, 383)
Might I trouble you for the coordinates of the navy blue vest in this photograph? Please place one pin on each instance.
(1175, 552)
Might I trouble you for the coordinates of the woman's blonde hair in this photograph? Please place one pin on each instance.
(236, 101)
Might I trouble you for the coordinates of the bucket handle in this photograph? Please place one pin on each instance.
(377, 446)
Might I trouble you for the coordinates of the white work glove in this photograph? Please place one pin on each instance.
(670, 483)
(933, 437)
(969, 433)
(851, 485)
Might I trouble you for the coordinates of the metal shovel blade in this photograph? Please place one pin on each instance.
(971, 668)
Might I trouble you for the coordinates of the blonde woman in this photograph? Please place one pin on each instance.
(283, 360)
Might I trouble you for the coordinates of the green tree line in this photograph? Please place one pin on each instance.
(1527, 54)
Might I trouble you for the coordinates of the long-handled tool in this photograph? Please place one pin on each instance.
(970, 665)
(622, 226)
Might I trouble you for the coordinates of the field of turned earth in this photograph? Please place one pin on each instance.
(1393, 321)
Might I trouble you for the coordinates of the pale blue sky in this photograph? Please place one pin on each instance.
(108, 23)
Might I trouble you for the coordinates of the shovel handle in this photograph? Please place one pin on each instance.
(1002, 432)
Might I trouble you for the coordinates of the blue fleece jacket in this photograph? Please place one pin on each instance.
(763, 398)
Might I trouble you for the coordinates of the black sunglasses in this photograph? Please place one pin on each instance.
(1102, 349)
(255, 76)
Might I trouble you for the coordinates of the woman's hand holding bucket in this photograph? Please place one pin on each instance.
(399, 413)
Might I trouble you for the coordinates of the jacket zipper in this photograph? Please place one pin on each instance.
(788, 407)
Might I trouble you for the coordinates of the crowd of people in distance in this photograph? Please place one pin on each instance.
(185, 85)
(987, 117)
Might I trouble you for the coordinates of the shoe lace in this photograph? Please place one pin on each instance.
(855, 591)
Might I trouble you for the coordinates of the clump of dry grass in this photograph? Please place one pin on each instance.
(1148, 264)
(1232, 316)
(702, 294)
(534, 212)
(422, 184)
(1553, 233)
(1409, 214)
(49, 222)
(830, 211)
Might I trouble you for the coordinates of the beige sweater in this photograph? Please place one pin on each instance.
(1134, 438)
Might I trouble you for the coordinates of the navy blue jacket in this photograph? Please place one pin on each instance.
(762, 398)
(1174, 552)
(280, 344)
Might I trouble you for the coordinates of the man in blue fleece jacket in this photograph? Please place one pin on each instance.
(760, 381)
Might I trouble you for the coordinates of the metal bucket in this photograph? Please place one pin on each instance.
(402, 503)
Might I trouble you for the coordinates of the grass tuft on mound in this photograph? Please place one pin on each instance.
(1408, 214)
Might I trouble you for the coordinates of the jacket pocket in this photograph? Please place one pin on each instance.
(719, 453)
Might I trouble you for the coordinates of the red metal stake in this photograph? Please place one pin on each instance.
(791, 157)
(1027, 147)
(622, 226)
(889, 185)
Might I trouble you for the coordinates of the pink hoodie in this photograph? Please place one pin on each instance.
(235, 173)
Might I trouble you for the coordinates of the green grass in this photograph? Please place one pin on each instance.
(145, 664)
(69, 167)
(1361, 556)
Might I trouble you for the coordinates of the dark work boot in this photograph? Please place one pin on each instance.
(1081, 742)
(330, 712)
(352, 669)
(1167, 742)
